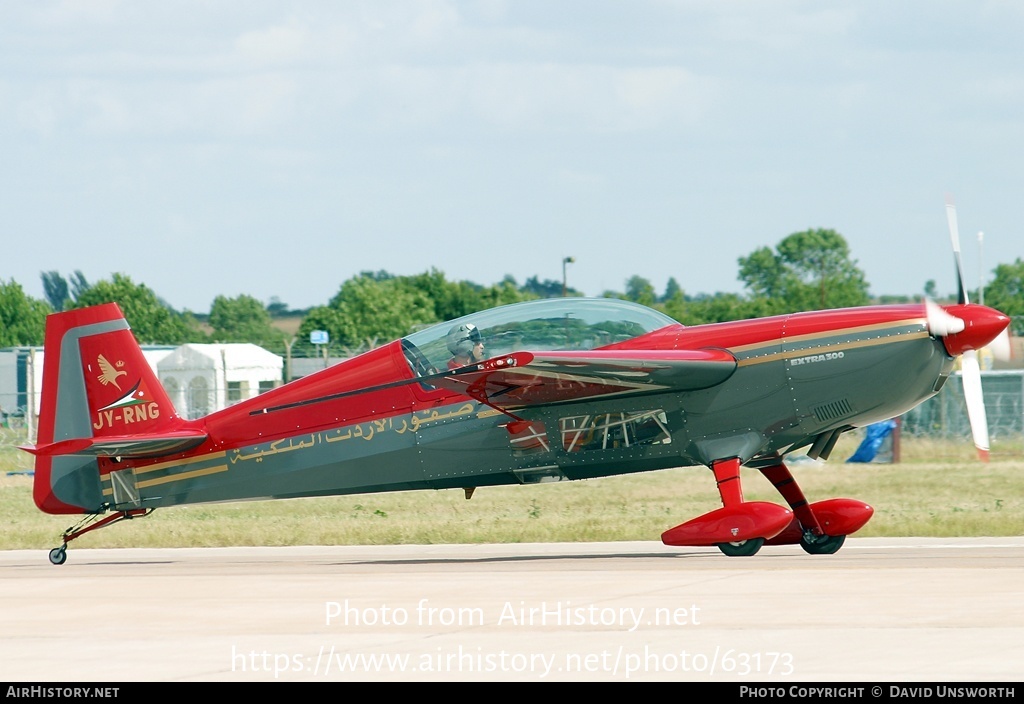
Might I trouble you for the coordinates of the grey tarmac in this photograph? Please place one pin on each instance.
(880, 610)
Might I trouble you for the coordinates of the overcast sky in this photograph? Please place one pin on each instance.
(276, 149)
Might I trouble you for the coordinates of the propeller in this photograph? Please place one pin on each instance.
(941, 323)
(1000, 346)
(954, 236)
(970, 374)
(970, 369)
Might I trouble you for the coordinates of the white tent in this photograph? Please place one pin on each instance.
(202, 378)
(21, 380)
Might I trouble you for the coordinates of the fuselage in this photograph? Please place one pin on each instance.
(366, 425)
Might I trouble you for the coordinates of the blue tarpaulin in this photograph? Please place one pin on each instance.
(873, 439)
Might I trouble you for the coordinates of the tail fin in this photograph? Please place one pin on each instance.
(100, 398)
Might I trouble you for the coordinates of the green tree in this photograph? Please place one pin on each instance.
(448, 299)
(57, 290)
(55, 287)
(454, 299)
(809, 270)
(78, 284)
(1006, 293)
(675, 306)
(505, 292)
(243, 319)
(277, 307)
(376, 307)
(640, 290)
(22, 318)
(151, 319)
(548, 288)
(717, 308)
(366, 312)
(672, 289)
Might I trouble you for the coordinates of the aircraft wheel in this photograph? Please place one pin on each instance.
(59, 555)
(822, 544)
(743, 548)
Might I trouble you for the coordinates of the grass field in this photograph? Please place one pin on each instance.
(937, 490)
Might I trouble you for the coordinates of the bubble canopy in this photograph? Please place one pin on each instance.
(546, 324)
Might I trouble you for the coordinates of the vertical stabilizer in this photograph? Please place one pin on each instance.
(98, 391)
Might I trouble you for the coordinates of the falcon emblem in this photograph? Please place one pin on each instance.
(109, 374)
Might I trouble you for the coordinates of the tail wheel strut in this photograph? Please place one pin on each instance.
(90, 523)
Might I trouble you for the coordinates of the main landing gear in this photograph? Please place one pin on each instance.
(740, 528)
(59, 555)
(743, 548)
(821, 544)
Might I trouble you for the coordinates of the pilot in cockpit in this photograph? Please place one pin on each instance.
(465, 344)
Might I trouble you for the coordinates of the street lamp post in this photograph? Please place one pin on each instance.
(567, 260)
(981, 271)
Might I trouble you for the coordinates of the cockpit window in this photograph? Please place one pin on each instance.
(552, 323)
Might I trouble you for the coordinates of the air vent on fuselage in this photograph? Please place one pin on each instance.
(832, 410)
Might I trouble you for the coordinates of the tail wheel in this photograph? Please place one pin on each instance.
(822, 544)
(743, 548)
(59, 555)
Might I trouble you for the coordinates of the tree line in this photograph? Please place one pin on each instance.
(807, 270)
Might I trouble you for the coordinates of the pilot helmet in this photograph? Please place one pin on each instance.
(462, 339)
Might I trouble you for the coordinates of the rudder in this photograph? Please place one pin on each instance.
(99, 394)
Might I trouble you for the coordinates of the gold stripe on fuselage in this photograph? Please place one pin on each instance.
(203, 471)
(805, 351)
(183, 475)
(179, 463)
(832, 347)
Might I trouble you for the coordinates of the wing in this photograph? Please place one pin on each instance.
(525, 379)
(521, 379)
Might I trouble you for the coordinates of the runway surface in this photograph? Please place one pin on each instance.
(880, 610)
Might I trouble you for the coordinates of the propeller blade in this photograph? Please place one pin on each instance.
(1001, 346)
(954, 236)
(940, 322)
(970, 372)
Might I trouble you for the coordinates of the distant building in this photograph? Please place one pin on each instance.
(304, 366)
(203, 378)
(15, 373)
(199, 378)
(21, 380)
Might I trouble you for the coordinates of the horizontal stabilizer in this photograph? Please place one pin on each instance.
(124, 446)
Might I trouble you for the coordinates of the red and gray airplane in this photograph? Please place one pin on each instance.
(566, 388)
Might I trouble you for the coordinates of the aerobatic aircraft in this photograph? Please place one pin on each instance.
(547, 390)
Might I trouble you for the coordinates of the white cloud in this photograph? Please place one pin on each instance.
(38, 112)
(273, 46)
(745, 120)
(77, 12)
(589, 98)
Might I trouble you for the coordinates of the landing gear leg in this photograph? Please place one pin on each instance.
(727, 478)
(821, 544)
(782, 479)
(739, 528)
(59, 555)
(743, 548)
(820, 528)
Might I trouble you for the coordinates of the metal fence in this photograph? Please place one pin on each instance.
(945, 415)
(942, 417)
